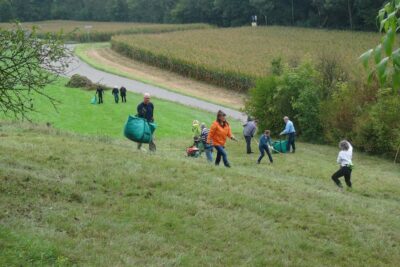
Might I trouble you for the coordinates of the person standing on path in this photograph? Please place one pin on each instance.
(345, 160)
(115, 93)
(265, 142)
(290, 131)
(207, 147)
(99, 93)
(122, 92)
(249, 131)
(145, 110)
(219, 132)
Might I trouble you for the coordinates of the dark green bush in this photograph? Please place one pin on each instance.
(78, 81)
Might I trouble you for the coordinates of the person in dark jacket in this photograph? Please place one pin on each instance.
(115, 93)
(265, 142)
(249, 131)
(122, 92)
(99, 93)
(145, 110)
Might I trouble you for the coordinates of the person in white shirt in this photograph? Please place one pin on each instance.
(346, 164)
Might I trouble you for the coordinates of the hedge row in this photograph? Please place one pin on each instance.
(232, 80)
(82, 36)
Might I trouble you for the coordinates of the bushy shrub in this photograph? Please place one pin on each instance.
(378, 131)
(79, 81)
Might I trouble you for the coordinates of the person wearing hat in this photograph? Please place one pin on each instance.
(115, 93)
(145, 110)
(219, 132)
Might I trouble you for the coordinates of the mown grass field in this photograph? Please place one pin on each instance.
(246, 53)
(71, 200)
(91, 31)
(75, 114)
(85, 196)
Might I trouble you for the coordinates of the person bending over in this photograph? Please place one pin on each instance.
(265, 142)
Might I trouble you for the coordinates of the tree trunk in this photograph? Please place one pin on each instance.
(292, 12)
(350, 10)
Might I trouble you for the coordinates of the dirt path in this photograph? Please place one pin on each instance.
(80, 67)
(170, 80)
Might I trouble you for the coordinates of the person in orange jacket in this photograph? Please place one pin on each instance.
(220, 130)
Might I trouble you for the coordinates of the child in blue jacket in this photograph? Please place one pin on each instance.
(265, 140)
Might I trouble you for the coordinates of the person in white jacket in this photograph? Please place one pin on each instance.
(344, 159)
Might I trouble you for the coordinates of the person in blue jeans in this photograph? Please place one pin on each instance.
(290, 131)
(115, 93)
(265, 140)
(208, 148)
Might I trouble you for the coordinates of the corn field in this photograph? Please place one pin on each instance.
(236, 57)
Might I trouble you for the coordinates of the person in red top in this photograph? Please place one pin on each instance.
(219, 132)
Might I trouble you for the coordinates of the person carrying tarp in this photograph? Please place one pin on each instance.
(249, 130)
(99, 93)
(122, 92)
(115, 93)
(290, 131)
(145, 110)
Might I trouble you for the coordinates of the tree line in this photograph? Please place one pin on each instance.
(341, 14)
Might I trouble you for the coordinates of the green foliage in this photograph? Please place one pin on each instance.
(378, 131)
(78, 81)
(387, 53)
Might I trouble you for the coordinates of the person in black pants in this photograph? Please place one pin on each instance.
(99, 93)
(346, 164)
(122, 92)
(249, 130)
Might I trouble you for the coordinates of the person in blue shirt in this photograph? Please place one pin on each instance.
(265, 141)
(290, 131)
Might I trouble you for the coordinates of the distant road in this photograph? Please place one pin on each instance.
(80, 67)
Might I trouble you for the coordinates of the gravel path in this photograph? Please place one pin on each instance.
(80, 67)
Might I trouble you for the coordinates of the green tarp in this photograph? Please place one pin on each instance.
(139, 130)
(280, 146)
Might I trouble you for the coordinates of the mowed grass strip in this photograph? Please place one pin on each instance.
(236, 56)
(91, 31)
(73, 200)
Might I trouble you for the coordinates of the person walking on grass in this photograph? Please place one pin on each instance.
(145, 110)
(220, 130)
(208, 149)
(249, 130)
(99, 93)
(122, 92)
(345, 160)
(115, 93)
(265, 142)
(290, 131)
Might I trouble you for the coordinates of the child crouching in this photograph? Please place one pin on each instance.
(265, 140)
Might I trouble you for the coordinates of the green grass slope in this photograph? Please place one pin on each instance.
(75, 113)
(68, 199)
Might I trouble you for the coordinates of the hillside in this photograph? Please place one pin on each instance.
(67, 200)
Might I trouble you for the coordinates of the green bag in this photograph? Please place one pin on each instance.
(93, 101)
(139, 130)
(280, 146)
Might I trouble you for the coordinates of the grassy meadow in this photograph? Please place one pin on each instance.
(101, 31)
(79, 194)
(246, 53)
(75, 113)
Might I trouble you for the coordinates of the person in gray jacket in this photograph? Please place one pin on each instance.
(249, 130)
